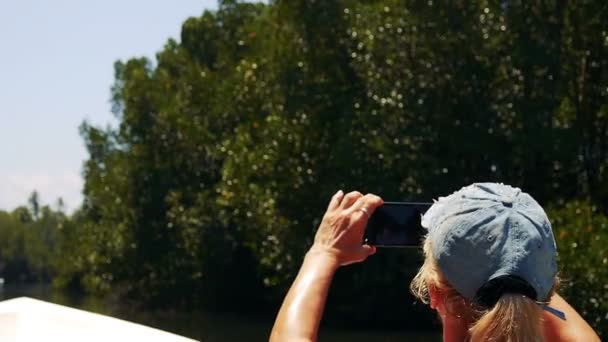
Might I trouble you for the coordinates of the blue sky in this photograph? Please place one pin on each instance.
(56, 71)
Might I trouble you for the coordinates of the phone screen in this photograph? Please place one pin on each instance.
(396, 224)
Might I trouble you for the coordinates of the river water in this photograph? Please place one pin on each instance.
(202, 326)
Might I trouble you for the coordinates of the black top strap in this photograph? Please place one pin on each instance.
(488, 295)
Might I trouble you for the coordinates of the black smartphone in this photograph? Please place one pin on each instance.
(396, 224)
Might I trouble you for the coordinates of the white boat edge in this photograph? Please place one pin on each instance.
(26, 319)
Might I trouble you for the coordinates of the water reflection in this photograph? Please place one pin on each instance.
(202, 326)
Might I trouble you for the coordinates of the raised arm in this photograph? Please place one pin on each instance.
(573, 329)
(337, 243)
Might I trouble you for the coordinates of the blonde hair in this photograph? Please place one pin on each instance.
(514, 318)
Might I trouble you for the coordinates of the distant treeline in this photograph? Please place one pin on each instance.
(29, 237)
(232, 140)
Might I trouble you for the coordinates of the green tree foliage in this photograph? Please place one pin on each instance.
(230, 142)
(581, 232)
(30, 242)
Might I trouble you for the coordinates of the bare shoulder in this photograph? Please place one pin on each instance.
(573, 329)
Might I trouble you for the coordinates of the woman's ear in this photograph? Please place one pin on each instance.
(436, 297)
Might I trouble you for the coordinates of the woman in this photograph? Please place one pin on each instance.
(489, 270)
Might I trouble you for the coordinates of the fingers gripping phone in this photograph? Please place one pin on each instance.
(396, 224)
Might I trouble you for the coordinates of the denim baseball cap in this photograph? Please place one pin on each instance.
(490, 230)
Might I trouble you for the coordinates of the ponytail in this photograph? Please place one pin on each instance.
(510, 318)
(514, 318)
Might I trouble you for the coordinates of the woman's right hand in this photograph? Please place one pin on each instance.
(340, 233)
(337, 242)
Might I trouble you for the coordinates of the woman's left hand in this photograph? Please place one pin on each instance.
(340, 234)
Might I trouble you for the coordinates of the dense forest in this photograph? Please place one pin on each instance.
(231, 141)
